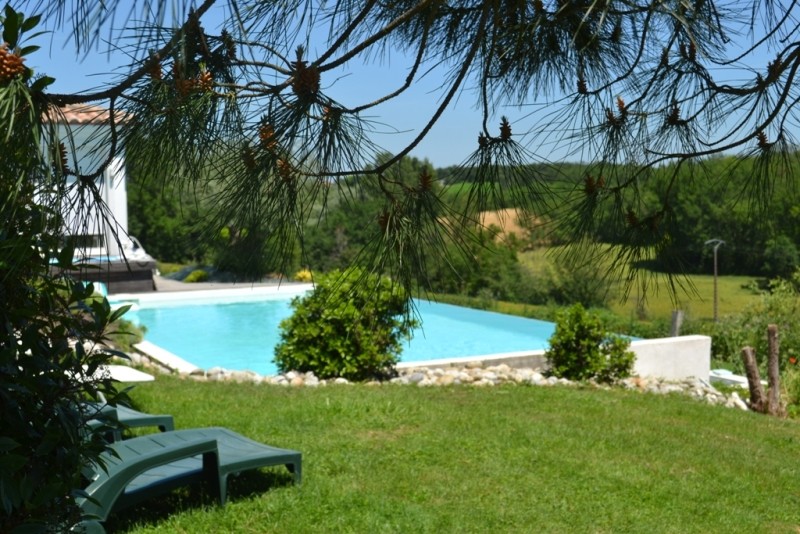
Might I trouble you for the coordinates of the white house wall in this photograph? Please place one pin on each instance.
(86, 151)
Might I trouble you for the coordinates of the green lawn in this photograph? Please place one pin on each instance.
(696, 299)
(464, 459)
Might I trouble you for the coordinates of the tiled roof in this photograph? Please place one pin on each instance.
(85, 114)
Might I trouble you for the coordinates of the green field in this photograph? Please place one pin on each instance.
(463, 459)
(695, 295)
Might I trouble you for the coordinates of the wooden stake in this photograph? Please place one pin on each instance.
(757, 401)
(774, 405)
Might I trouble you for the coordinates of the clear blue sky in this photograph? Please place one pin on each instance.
(448, 143)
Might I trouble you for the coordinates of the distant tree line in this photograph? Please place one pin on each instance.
(704, 204)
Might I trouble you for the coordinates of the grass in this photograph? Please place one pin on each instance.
(166, 268)
(697, 302)
(465, 459)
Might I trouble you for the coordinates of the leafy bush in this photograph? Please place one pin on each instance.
(790, 381)
(570, 281)
(351, 326)
(781, 257)
(124, 334)
(198, 275)
(581, 349)
(303, 275)
(51, 327)
(779, 305)
(166, 220)
(480, 266)
(241, 251)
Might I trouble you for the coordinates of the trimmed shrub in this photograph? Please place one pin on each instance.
(581, 349)
(351, 326)
(198, 275)
(303, 275)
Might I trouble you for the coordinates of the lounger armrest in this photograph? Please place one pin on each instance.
(128, 459)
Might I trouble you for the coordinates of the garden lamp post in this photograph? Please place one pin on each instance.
(716, 243)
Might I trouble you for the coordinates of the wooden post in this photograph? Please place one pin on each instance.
(757, 401)
(774, 406)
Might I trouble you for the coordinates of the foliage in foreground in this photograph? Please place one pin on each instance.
(779, 305)
(405, 459)
(581, 349)
(49, 327)
(351, 325)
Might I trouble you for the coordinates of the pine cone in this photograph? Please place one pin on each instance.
(10, 64)
(205, 82)
(155, 71)
(306, 80)
(267, 136)
(505, 129)
(285, 170)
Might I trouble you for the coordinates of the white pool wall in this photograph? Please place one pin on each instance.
(670, 358)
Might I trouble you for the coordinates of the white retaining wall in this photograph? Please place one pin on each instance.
(671, 358)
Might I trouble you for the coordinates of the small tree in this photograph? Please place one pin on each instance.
(351, 326)
(50, 327)
(781, 257)
(581, 349)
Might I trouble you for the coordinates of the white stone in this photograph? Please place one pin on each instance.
(416, 378)
(446, 380)
(311, 381)
(465, 378)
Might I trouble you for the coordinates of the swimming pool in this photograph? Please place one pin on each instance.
(240, 331)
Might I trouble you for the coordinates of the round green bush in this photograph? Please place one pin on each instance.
(581, 349)
(198, 275)
(351, 326)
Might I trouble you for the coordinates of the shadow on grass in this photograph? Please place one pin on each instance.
(151, 512)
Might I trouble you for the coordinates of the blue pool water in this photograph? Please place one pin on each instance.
(242, 335)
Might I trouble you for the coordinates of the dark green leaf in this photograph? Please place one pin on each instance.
(30, 528)
(7, 444)
(65, 256)
(29, 50)
(10, 463)
(41, 83)
(31, 23)
(119, 312)
(11, 27)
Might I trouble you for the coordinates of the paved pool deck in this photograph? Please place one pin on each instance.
(164, 284)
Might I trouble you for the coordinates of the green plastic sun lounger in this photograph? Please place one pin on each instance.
(131, 418)
(121, 417)
(146, 466)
